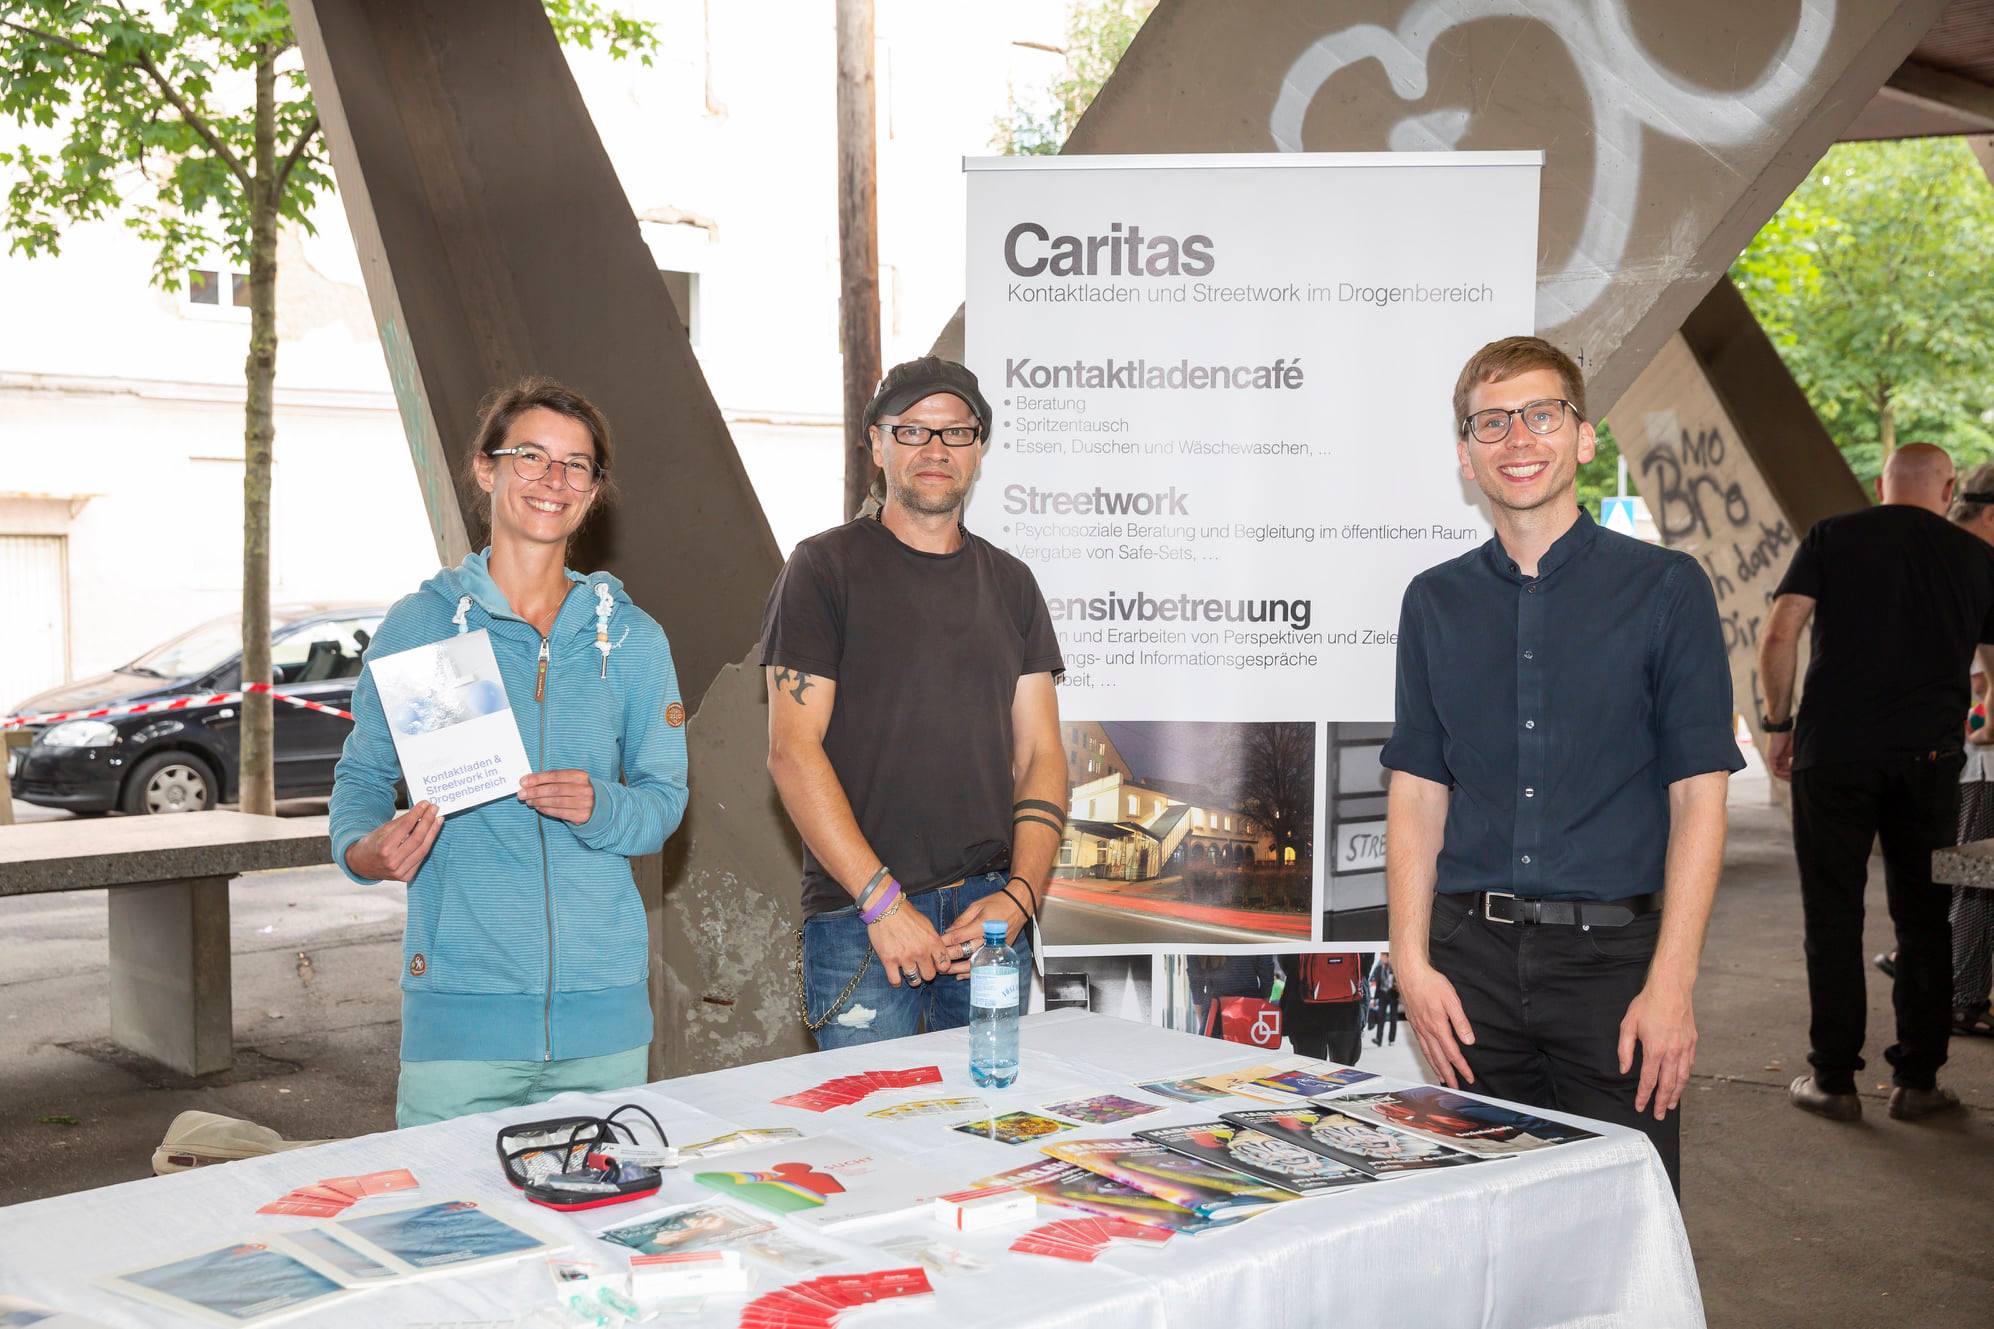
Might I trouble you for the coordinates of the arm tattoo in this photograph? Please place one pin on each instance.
(794, 682)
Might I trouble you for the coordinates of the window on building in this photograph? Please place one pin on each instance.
(1197, 817)
(218, 289)
(1228, 823)
(1066, 853)
(1135, 806)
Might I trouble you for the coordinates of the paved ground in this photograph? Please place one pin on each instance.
(1796, 1222)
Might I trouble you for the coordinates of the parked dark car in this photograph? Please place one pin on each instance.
(188, 760)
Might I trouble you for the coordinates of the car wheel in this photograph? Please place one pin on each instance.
(169, 782)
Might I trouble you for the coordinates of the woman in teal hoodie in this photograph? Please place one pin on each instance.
(526, 954)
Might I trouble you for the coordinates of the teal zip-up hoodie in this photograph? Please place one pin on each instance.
(526, 939)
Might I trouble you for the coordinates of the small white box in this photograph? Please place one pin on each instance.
(991, 1206)
(686, 1274)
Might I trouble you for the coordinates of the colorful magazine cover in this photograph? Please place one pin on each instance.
(1308, 1084)
(1057, 1181)
(1102, 1109)
(1464, 1122)
(1207, 1189)
(1183, 1091)
(1014, 1127)
(1279, 1162)
(689, 1227)
(246, 1283)
(441, 1238)
(1380, 1151)
(1246, 1083)
(825, 1182)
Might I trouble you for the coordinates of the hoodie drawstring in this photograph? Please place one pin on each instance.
(462, 616)
(605, 605)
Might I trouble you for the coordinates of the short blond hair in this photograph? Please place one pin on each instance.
(1503, 360)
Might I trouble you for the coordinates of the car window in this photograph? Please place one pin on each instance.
(193, 653)
(322, 652)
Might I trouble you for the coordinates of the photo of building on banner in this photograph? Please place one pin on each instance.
(1223, 442)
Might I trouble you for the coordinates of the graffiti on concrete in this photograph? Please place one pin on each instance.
(1698, 494)
(1630, 94)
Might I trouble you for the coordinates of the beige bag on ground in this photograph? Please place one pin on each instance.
(196, 1139)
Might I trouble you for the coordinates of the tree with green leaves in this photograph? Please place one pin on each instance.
(193, 122)
(1872, 282)
(1098, 33)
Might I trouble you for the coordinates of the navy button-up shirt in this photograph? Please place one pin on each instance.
(1559, 708)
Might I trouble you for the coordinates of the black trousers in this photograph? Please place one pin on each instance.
(1839, 811)
(1545, 1003)
(1327, 1031)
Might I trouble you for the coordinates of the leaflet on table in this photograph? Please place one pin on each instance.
(19, 1313)
(1057, 1181)
(452, 722)
(1279, 1162)
(825, 1182)
(1102, 1109)
(1182, 1091)
(441, 1237)
(1246, 1083)
(1206, 1189)
(1466, 1123)
(1378, 1150)
(689, 1227)
(243, 1283)
(342, 1261)
(1014, 1127)
(1311, 1083)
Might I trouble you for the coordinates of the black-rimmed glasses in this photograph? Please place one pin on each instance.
(1540, 417)
(917, 436)
(531, 464)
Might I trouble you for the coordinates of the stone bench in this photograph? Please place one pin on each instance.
(167, 878)
(1969, 864)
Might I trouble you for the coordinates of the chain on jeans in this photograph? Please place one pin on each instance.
(803, 998)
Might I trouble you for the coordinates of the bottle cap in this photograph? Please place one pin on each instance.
(994, 931)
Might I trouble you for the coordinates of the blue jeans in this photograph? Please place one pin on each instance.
(835, 944)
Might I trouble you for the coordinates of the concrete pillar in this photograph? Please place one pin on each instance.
(496, 241)
(170, 973)
(1734, 465)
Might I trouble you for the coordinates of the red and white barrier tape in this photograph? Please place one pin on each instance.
(171, 704)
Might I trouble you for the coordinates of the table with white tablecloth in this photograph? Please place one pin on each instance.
(1581, 1234)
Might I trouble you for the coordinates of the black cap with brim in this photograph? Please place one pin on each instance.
(916, 380)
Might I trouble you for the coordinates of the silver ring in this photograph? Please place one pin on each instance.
(913, 977)
(968, 949)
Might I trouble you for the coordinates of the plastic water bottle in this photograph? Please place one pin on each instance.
(993, 1010)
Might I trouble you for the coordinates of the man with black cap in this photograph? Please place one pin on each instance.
(913, 727)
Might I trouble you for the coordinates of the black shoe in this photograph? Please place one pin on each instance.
(1912, 1104)
(1886, 963)
(1808, 1096)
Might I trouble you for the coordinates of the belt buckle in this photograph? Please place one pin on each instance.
(1489, 897)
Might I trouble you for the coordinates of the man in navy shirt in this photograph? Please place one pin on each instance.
(1563, 743)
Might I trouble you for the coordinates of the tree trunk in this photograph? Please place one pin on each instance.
(858, 240)
(1886, 420)
(258, 433)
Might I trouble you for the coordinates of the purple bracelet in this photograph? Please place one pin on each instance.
(882, 904)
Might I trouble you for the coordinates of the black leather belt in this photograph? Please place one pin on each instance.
(1500, 907)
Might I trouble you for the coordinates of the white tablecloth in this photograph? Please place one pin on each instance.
(1583, 1234)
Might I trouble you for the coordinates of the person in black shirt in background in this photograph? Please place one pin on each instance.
(1562, 746)
(1899, 599)
(913, 727)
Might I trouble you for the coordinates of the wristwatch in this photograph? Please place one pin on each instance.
(1772, 726)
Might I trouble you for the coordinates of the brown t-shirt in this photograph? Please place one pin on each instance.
(927, 651)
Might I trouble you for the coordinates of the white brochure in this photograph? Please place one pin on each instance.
(452, 722)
